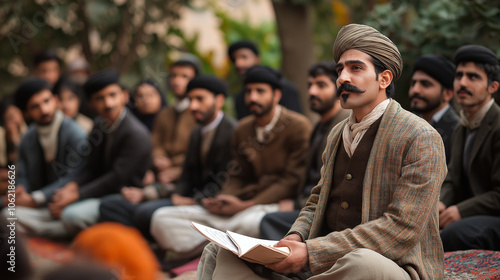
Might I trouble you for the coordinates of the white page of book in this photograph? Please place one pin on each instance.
(246, 243)
(216, 236)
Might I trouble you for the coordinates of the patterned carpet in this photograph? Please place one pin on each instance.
(472, 264)
(463, 265)
(46, 254)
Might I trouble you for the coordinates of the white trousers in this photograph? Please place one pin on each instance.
(74, 218)
(81, 215)
(360, 264)
(171, 225)
(37, 221)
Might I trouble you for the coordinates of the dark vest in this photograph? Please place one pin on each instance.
(343, 209)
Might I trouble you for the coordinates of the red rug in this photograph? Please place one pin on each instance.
(44, 252)
(472, 264)
(190, 266)
(463, 265)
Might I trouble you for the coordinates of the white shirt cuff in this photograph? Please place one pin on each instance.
(39, 197)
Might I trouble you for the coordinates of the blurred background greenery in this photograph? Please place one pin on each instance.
(142, 37)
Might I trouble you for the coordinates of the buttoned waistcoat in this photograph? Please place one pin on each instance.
(401, 187)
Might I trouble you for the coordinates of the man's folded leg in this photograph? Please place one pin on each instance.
(37, 221)
(364, 264)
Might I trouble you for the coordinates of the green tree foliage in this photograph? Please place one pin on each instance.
(127, 35)
(263, 34)
(436, 27)
(324, 28)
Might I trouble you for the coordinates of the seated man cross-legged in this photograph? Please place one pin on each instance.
(269, 152)
(204, 167)
(374, 212)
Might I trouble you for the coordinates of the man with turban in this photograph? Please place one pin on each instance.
(323, 100)
(470, 196)
(431, 90)
(373, 214)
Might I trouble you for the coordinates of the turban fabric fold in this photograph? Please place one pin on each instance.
(370, 41)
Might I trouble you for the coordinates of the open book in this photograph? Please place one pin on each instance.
(248, 248)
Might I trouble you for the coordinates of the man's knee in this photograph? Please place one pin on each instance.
(361, 254)
(80, 215)
(112, 203)
(477, 232)
(72, 216)
(364, 263)
(141, 218)
(69, 214)
(268, 219)
(114, 208)
(4, 213)
(362, 259)
(144, 213)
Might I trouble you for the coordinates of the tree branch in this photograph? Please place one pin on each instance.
(85, 31)
(137, 39)
(120, 49)
(295, 32)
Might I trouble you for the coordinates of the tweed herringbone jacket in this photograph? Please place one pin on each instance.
(401, 187)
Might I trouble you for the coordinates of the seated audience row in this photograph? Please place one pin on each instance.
(158, 168)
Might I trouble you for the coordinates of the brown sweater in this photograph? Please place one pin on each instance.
(171, 131)
(343, 208)
(274, 170)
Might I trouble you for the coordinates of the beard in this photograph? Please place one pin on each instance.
(205, 117)
(321, 106)
(430, 105)
(45, 119)
(264, 109)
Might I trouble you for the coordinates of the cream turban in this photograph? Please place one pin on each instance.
(368, 40)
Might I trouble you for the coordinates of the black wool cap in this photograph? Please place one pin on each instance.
(263, 74)
(100, 80)
(243, 44)
(438, 68)
(188, 59)
(46, 55)
(475, 53)
(208, 82)
(27, 89)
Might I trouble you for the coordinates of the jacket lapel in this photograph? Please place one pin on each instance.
(217, 141)
(483, 132)
(326, 179)
(383, 136)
